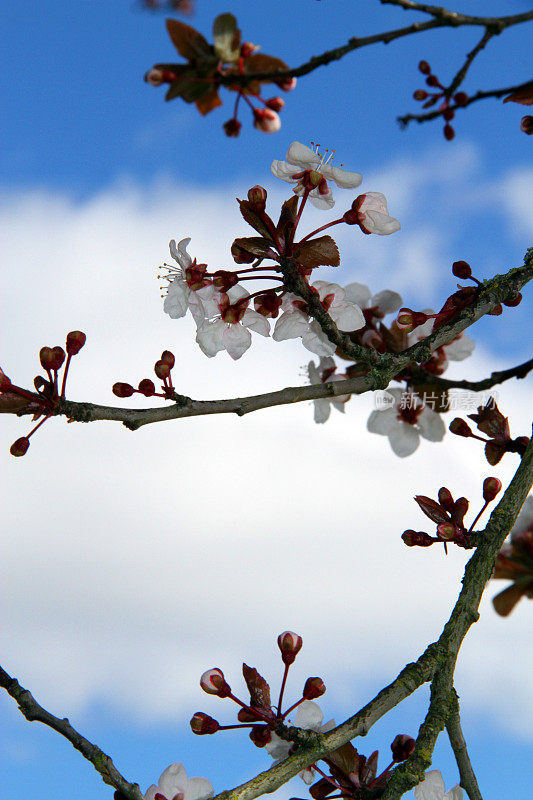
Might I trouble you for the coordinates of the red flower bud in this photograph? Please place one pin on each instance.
(402, 747)
(146, 387)
(496, 311)
(75, 341)
(202, 724)
(461, 269)
(213, 682)
(449, 132)
(260, 735)
(491, 487)
(460, 507)
(460, 98)
(445, 498)
(460, 427)
(446, 531)
(314, 687)
(122, 389)
(432, 80)
(448, 114)
(257, 195)
(20, 447)
(526, 124)
(424, 67)
(46, 357)
(162, 370)
(420, 94)
(286, 84)
(290, 645)
(168, 358)
(232, 127)
(417, 538)
(275, 103)
(223, 279)
(514, 300)
(58, 357)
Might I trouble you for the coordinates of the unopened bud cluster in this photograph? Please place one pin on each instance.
(162, 369)
(490, 421)
(49, 391)
(431, 98)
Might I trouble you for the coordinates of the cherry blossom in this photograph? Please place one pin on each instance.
(324, 373)
(309, 717)
(404, 420)
(432, 788)
(175, 785)
(380, 304)
(230, 330)
(370, 212)
(180, 296)
(314, 170)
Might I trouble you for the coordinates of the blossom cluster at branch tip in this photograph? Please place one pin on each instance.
(490, 421)
(175, 785)
(430, 99)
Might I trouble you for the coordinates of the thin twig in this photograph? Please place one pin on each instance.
(457, 741)
(461, 74)
(102, 763)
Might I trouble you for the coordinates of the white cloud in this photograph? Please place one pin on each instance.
(140, 559)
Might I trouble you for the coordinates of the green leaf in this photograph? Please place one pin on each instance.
(227, 38)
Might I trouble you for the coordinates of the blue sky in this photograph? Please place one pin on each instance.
(134, 562)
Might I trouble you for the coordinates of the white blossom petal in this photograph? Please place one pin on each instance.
(179, 252)
(198, 789)
(322, 410)
(431, 425)
(256, 322)
(302, 156)
(323, 201)
(177, 300)
(236, 340)
(455, 793)
(290, 325)
(403, 439)
(209, 337)
(309, 716)
(387, 301)
(307, 775)
(342, 177)
(459, 349)
(347, 317)
(277, 747)
(315, 340)
(382, 422)
(280, 169)
(173, 780)
(358, 293)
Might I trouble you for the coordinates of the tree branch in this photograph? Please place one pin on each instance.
(457, 741)
(102, 763)
(495, 378)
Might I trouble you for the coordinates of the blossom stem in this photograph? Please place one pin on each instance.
(283, 682)
(288, 711)
(299, 214)
(328, 225)
(38, 426)
(471, 528)
(65, 373)
(252, 710)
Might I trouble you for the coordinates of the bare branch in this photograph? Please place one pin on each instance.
(102, 763)
(457, 741)
(495, 379)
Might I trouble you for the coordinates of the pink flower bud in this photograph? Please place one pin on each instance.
(314, 687)
(417, 538)
(122, 390)
(168, 358)
(146, 387)
(491, 487)
(232, 127)
(446, 531)
(461, 269)
(162, 370)
(275, 103)
(266, 120)
(247, 48)
(20, 447)
(202, 724)
(290, 645)
(260, 735)
(402, 747)
(257, 195)
(213, 682)
(445, 498)
(424, 67)
(75, 341)
(286, 84)
(460, 427)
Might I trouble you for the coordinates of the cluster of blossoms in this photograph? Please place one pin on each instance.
(429, 99)
(448, 515)
(515, 562)
(490, 421)
(46, 399)
(199, 80)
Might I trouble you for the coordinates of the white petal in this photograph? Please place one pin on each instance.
(237, 292)
(358, 293)
(236, 340)
(347, 317)
(382, 422)
(459, 349)
(173, 780)
(323, 201)
(302, 156)
(431, 788)
(309, 716)
(307, 775)
(422, 331)
(455, 793)
(290, 325)
(404, 439)
(177, 299)
(431, 425)
(328, 726)
(179, 253)
(387, 301)
(525, 518)
(342, 177)
(376, 222)
(280, 169)
(198, 789)
(256, 322)
(209, 337)
(322, 410)
(197, 309)
(277, 747)
(151, 792)
(315, 340)
(313, 374)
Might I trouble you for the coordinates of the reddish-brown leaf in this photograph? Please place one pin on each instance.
(257, 686)
(432, 509)
(346, 758)
(208, 100)
(524, 96)
(505, 601)
(287, 217)
(254, 244)
(260, 62)
(188, 41)
(254, 219)
(321, 251)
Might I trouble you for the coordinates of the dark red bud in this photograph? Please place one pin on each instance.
(461, 269)
(257, 195)
(168, 358)
(432, 80)
(491, 487)
(162, 370)
(420, 94)
(275, 103)
(146, 387)
(460, 507)
(496, 311)
(417, 538)
(514, 300)
(232, 127)
(460, 98)
(223, 279)
(75, 341)
(402, 747)
(290, 645)
(260, 735)
(59, 356)
(448, 114)
(445, 498)
(122, 389)
(202, 724)
(460, 427)
(20, 447)
(46, 357)
(526, 124)
(314, 687)
(424, 67)
(449, 132)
